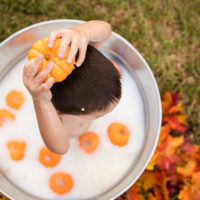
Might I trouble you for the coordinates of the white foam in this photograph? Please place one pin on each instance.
(93, 173)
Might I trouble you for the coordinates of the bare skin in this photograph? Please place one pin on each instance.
(55, 127)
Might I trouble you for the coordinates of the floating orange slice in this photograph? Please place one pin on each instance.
(118, 134)
(89, 141)
(15, 99)
(5, 115)
(47, 158)
(16, 148)
(61, 182)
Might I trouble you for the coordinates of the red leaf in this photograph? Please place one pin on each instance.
(134, 193)
(175, 98)
(175, 124)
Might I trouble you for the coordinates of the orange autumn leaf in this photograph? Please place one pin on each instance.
(196, 179)
(134, 193)
(176, 108)
(148, 180)
(165, 149)
(167, 101)
(182, 119)
(185, 193)
(156, 181)
(174, 143)
(188, 169)
(163, 136)
(166, 158)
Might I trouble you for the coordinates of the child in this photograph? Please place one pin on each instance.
(92, 90)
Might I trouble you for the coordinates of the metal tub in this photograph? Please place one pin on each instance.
(16, 47)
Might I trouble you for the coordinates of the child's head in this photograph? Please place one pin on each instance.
(94, 87)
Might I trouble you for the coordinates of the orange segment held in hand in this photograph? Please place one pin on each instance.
(5, 115)
(61, 183)
(61, 68)
(16, 148)
(15, 99)
(89, 141)
(47, 158)
(118, 134)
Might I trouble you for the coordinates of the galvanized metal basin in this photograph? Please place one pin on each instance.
(16, 47)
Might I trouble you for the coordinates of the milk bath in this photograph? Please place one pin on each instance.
(92, 173)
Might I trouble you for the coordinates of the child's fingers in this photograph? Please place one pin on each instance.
(32, 66)
(47, 85)
(73, 49)
(24, 77)
(63, 45)
(43, 74)
(53, 35)
(82, 52)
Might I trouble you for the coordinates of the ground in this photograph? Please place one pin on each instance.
(165, 32)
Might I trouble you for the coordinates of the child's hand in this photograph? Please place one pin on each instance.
(78, 38)
(34, 81)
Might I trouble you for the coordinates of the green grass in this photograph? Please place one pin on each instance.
(166, 33)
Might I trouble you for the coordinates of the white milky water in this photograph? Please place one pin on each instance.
(93, 173)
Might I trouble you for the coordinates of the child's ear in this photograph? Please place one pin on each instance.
(117, 66)
(59, 113)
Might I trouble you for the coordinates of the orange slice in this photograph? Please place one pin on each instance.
(118, 134)
(47, 158)
(15, 99)
(5, 115)
(89, 141)
(16, 148)
(61, 183)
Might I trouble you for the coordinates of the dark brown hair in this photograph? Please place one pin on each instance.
(92, 86)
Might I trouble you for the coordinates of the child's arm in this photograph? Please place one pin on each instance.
(93, 32)
(51, 128)
(97, 31)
